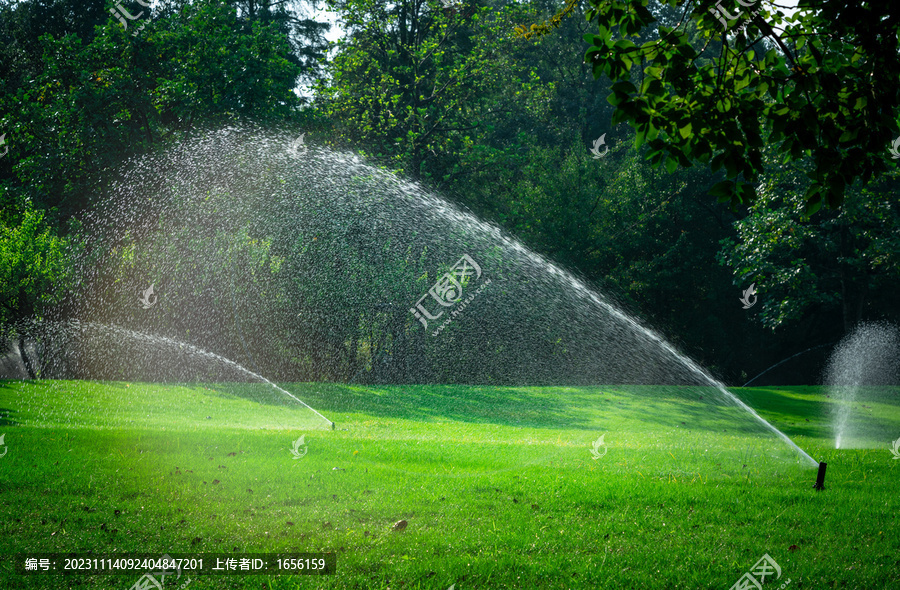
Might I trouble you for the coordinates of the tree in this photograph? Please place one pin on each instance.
(84, 94)
(94, 102)
(305, 35)
(822, 275)
(722, 81)
(34, 271)
(413, 81)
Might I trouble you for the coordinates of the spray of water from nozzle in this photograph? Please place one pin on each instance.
(187, 349)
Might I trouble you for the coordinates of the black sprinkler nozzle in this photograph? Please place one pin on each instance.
(820, 478)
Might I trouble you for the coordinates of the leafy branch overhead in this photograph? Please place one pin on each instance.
(541, 29)
(820, 85)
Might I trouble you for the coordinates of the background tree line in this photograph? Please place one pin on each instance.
(501, 124)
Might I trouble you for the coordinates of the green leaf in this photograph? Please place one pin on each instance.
(624, 87)
(724, 189)
(671, 165)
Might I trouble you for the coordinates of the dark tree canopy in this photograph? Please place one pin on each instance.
(784, 113)
(701, 86)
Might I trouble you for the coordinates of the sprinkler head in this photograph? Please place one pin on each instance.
(820, 478)
(332, 425)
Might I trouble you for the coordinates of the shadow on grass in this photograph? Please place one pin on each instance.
(508, 406)
(690, 408)
(5, 417)
(563, 408)
(6, 414)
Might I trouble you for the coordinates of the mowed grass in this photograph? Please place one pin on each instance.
(497, 484)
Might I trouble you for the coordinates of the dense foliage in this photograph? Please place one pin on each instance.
(820, 83)
(784, 112)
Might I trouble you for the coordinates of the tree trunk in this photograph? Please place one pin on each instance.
(29, 368)
(353, 358)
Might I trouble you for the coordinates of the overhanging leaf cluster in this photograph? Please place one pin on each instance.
(821, 84)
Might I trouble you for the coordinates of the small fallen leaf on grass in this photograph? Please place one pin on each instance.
(399, 525)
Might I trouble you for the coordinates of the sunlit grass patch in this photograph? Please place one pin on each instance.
(507, 495)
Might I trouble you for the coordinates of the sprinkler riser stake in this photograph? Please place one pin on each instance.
(820, 477)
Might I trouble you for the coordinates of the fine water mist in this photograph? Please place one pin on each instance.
(88, 350)
(863, 372)
(310, 265)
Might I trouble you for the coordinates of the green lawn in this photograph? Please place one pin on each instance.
(497, 484)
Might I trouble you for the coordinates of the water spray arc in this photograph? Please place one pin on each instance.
(779, 363)
(75, 326)
(718, 385)
(356, 247)
(582, 289)
(220, 359)
(862, 365)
